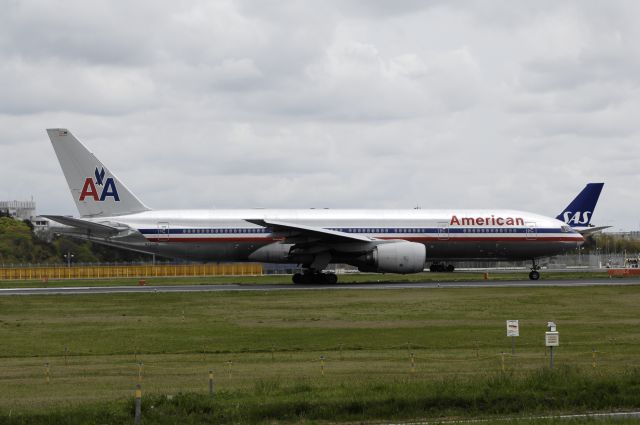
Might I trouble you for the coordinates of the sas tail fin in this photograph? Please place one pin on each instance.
(96, 191)
(579, 212)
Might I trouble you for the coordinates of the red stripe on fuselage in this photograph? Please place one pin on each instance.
(411, 239)
(491, 239)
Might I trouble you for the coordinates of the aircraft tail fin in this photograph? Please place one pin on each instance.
(96, 191)
(579, 212)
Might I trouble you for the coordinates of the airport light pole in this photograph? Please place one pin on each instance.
(68, 256)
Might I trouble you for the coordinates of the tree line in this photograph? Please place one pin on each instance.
(605, 243)
(19, 244)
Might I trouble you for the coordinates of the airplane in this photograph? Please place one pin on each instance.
(381, 241)
(579, 212)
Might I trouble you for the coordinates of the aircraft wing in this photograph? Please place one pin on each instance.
(292, 230)
(96, 229)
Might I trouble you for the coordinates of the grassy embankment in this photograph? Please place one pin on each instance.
(265, 348)
(286, 279)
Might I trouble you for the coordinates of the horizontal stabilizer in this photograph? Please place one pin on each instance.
(96, 229)
(584, 231)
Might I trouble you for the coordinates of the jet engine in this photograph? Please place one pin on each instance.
(394, 257)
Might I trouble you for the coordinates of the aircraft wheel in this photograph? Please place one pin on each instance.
(331, 279)
(298, 278)
(438, 268)
(450, 268)
(534, 275)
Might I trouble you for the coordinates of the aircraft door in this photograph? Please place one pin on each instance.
(163, 231)
(443, 231)
(532, 231)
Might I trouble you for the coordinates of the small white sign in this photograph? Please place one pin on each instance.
(513, 328)
(552, 339)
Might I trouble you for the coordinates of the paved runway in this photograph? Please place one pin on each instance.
(290, 287)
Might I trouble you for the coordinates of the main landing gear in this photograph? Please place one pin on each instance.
(440, 268)
(534, 274)
(315, 277)
(312, 271)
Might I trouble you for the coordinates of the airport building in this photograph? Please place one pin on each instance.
(20, 210)
(26, 210)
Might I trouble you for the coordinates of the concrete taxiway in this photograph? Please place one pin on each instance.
(75, 290)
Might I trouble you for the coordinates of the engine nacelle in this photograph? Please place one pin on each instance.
(280, 253)
(394, 257)
(272, 253)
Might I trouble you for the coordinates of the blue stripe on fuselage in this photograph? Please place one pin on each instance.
(358, 230)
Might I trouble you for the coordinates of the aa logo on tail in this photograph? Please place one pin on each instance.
(89, 190)
(577, 217)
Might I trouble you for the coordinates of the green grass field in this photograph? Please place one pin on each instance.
(265, 351)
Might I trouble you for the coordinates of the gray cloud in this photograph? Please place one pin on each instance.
(344, 104)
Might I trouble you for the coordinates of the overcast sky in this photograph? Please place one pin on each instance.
(340, 104)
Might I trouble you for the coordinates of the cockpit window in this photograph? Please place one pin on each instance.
(565, 229)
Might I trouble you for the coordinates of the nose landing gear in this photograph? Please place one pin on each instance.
(534, 274)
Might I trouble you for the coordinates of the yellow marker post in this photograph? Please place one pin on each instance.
(46, 372)
(594, 358)
(138, 413)
(211, 383)
(413, 363)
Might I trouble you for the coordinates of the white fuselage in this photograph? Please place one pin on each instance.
(226, 235)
